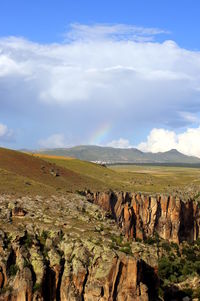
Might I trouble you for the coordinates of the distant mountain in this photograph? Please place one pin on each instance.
(119, 155)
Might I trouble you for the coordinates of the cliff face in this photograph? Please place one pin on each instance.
(81, 273)
(142, 216)
(62, 249)
(67, 249)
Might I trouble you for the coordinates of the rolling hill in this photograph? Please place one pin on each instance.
(117, 155)
(25, 173)
(40, 174)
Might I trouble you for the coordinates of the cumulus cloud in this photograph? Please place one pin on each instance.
(160, 140)
(53, 141)
(5, 133)
(79, 70)
(120, 143)
(100, 74)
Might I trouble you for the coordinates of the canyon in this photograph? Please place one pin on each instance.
(60, 248)
(142, 216)
(89, 246)
(72, 231)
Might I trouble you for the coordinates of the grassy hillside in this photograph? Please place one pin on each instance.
(104, 177)
(151, 179)
(132, 155)
(22, 173)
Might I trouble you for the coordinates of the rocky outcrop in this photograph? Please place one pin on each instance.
(72, 271)
(142, 216)
(18, 212)
(65, 249)
(110, 278)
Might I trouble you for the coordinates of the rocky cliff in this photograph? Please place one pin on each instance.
(74, 271)
(66, 249)
(142, 216)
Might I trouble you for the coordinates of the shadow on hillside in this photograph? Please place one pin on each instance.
(173, 293)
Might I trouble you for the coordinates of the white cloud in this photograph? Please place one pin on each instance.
(118, 32)
(53, 141)
(120, 143)
(91, 70)
(160, 140)
(100, 74)
(190, 117)
(3, 130)
(5, 133)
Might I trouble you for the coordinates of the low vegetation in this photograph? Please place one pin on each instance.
(178, 266)
(25, 174)
(13, 269)
(149, 179)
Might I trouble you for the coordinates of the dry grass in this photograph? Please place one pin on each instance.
(21, 168)
(44, 156)
(149, 179)
(28, 173)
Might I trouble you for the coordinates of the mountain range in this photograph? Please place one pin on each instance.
(112, 155)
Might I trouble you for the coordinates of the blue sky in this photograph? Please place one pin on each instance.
(119, 73)
(45, 21)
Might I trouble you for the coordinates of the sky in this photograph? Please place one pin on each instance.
(111, 73)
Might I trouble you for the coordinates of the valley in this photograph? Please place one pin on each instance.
(73, 230)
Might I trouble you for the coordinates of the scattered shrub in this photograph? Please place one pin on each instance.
(27, 264)
(43, 237)
(150, 240)
(28, 241)
(126, 249)
(118, 244)
(36, 287)
(13, 269)
(166, 246)
(176, 269)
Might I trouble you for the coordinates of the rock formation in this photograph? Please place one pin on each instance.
(67, 248)
(64, 248)
(141, 216)
(72, 272)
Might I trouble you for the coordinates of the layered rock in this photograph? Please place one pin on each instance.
(141, 216)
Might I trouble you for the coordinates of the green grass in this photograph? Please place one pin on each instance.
(149, 179)
(156, 179)
(31, 174)
(101, 178)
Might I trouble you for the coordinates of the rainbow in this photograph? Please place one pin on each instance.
(101, 133)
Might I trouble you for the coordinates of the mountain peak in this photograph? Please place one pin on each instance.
(173, 151)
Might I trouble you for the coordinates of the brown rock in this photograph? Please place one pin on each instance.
(18, 212)
(1, 279)
(142, 216)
